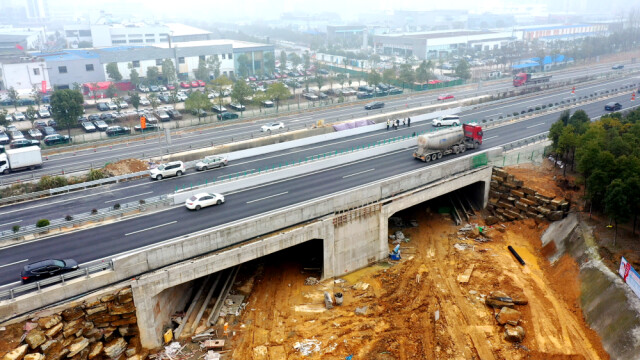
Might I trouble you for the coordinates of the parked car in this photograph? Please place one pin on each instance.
(395, 91)
(35, 134)
(170, 87)
(162, 115)
(267, 103)
(148, 126)
(617, 67)
(122, 104)
(364, 95)
(272, 126)
(218, 109)
(52, 123)
(174, 114)
(44, 113)
(237, 107)
(107, 116)
(185, 85)
(100, 125)
(181, 96)
(56, 139)
(198, 201)
(194, 84)
(374, 105)
(23, 143)
(445, 97)
(201, 83)
(174, 168)
(41, 270)
(154, 88)
(613, 106)
(18, 116)
(88, 126)
(112, 106)
(93, 117)
(227, 116)
(4, 138)
(48, 130)
(164, 99)
(117, 130)
(210, 162)
(102, 106)
(449, 120)
(143, 88)
(15, 134)
(144, 101)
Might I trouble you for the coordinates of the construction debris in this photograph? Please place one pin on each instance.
(307, 346)
(311, 281)
(361, 310)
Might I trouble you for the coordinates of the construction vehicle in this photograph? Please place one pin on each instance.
(529, 79)
(453, 140)
(28, 157)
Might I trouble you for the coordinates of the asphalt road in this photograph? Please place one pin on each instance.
(79, 202)
(116, 238)
(98, 156)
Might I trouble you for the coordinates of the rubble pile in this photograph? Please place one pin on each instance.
(506, 315)
(102, 329)
(510, 200)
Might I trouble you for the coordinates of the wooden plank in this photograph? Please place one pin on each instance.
(464, 277)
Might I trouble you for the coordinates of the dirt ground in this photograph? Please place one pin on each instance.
(126, 166)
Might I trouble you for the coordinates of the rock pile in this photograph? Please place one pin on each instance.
(507, 315)
(103, 329)
(510, 200)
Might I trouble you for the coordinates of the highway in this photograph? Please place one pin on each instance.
(106, 241)
(79, 202)
(97, 156)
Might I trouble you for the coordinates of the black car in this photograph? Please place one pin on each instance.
(147, 127)
(227, 116)
(103, 106)
(613, 106)
(117, 130)
(23, 143)
(39, 124)
(48, 130)
(164, 99)
(107, 116)
(52, 123)
(47, 268)
(374, 105)
(395, 91)
(174, 114)
(82, 119)
(93, 117)
(617, 67)
(56, 139)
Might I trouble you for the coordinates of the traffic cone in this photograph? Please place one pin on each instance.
(633, 96)
(573, 90)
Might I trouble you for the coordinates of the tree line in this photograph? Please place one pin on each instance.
(607, 157)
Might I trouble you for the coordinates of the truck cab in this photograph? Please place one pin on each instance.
(473, 133)
(521, 79)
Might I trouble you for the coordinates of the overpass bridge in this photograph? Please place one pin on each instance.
(352, 225)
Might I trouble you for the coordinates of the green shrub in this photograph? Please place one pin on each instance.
(515, 113)
(537, 107)
(51, 182)
(68, 217)
(42, 223)
(116, 206)
(94, 211)
(15, 228)
(550, 105)
(142, 202)
(95, 174)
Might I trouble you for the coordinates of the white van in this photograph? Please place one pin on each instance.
(449, 120)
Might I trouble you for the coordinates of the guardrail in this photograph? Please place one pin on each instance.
(38, 285)
(78, 219)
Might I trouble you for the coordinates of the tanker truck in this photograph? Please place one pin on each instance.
(456, 139)
(529, 79)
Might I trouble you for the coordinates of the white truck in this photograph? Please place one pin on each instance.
(29, 157)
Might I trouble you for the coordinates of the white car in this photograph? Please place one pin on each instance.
(44, 113)
(144, 101)
(272, 126)
(123, 104)
(174, 168)
(212, 95)
(449, 120)
(112, 106)
(18, 116)
(211, 162)
(198, 201)
(181, 96)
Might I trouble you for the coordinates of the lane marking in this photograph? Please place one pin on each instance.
(9, 223)
(13, 263)
(358, 173)
(239, 172)
(532, 126)
(128, 197)
(151, 228)
(491, 137)
(267, 197)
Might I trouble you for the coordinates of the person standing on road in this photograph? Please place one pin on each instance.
(388, 124)
(408, 122)
(404, 122)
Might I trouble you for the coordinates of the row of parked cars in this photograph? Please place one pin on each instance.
(43, 132)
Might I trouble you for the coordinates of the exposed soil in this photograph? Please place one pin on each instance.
(126, 166)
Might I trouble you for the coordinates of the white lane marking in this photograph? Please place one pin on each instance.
(532, 126)
(358, 173)
(238, 173)
(151, 228)
(491, 137)
(267, 197)
(9, 223)
(128, 197)
(13, 263)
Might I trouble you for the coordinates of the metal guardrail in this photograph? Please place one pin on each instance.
(526, 141)
(38, 285)
(77, 219)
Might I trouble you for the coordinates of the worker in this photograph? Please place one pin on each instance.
(388, 124)
(409, 122)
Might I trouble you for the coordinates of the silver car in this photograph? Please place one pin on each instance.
(211, 162)
(174, 168)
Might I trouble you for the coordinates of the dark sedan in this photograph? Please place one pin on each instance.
(117, 130)
(23, 143)
(56, 139)
(47, 268)
(374, 105)
(148, 127)
(227, 116)
(613, 106)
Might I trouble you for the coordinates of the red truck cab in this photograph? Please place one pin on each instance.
(473, 133)
(521, 79)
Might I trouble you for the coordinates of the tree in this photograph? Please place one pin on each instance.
(374, 78)
(283, 60)
(3, 117)
(388, 75)
(241, 92)
(94, 86)
(134, 77)
(113, 72)
(219, 85)
(277, 92)
(320, 81)
(269, 62)
(295, 59)
(135, 99)
(306, 58)
(423, 72)
(244, 65)
(617, 205)
(213, 64)
(153, 101)
(37, 95)
(407, 75)
(169, 71)
(341, 79)
(153, 75)
(202, 72)
(13, 96)
(111, 92)
(66, 107)
(31, 114)
(197, 102)
(463, 70)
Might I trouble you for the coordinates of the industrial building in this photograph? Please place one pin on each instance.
(563, 32)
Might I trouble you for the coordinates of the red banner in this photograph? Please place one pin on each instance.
(44, 86)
